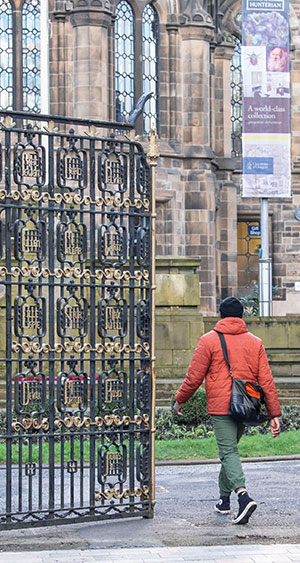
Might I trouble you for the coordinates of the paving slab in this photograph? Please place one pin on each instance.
(253, 553)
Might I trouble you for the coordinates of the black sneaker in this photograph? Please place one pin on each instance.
(223, 505)
(246, 507)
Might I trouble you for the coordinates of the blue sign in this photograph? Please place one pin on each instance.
(254, 231)
(257, 165)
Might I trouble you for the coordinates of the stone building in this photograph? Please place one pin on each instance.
(95, 58)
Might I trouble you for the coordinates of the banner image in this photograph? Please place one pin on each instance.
(266, 98)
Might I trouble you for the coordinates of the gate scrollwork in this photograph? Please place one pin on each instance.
(76, 263)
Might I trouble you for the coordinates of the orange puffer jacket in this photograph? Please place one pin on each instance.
(248, 361)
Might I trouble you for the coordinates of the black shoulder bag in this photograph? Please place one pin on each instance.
(246, 397)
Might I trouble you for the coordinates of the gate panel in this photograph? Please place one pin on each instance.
(76, 247)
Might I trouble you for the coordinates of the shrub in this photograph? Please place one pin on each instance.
(251, 302)
(194, 410)
(2, 421)
(290, 419)
(167, 429)
(170, 426)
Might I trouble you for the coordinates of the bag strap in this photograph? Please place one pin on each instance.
(224, 348)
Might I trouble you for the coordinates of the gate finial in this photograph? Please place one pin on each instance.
(8, 122)
(153, 152)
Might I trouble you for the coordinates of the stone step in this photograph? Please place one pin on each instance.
(288, 390)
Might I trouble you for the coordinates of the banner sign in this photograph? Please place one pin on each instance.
(266, 99)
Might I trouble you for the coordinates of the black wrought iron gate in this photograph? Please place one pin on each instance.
(75, 203)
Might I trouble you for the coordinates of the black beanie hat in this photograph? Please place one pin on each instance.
(231, 307)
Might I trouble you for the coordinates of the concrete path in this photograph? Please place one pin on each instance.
(184, 516)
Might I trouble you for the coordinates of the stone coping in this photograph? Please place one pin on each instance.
(294, 457)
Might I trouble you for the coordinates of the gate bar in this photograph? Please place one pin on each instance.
(68, 120)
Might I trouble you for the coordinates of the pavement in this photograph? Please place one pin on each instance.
(185, 526)
(286, 553)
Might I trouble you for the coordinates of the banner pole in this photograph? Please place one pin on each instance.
(265, 263)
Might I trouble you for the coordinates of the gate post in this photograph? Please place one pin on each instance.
(153, 157)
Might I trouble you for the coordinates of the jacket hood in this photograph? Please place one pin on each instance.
(231, 325)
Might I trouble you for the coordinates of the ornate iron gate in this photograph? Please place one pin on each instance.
(76, 246)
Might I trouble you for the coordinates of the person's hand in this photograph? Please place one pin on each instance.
(177, 407)
(275, 426)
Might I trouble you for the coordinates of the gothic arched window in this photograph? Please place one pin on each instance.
(124, 60)
(6, 55)
(24, 55)
(236, 99)
(31, 50)
(136, 62)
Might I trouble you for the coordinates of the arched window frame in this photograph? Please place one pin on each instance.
(124, 62)
(151, 110)
(6, 56)
(16, 99)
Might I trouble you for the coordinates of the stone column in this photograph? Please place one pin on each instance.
(228, 223)
(91, 20)
(175, 94)
(196, 32)
(227, 210)
(222, 100)
(58, 86)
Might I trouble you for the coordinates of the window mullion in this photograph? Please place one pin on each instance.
(150, 46)
(138, 70)
(44, 57)
(17, 60)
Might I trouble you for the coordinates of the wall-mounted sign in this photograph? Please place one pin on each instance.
(254, 231)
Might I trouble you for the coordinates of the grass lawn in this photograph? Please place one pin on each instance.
(259, 445)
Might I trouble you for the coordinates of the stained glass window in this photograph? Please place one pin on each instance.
(249, 241)
(124, 60)
(150, 64)
(6, 55)
(136, 62)
(20, 54)
(236, 99)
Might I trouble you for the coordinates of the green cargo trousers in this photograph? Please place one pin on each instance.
(228, 433)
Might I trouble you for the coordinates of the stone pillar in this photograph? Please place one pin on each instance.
(222, 100)
(228, 224)
(91, 20)
(175, 94)
(196, 32)
(178, 323)
(227, 210)
(58, 87)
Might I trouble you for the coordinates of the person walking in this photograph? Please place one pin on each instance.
(248, 361)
